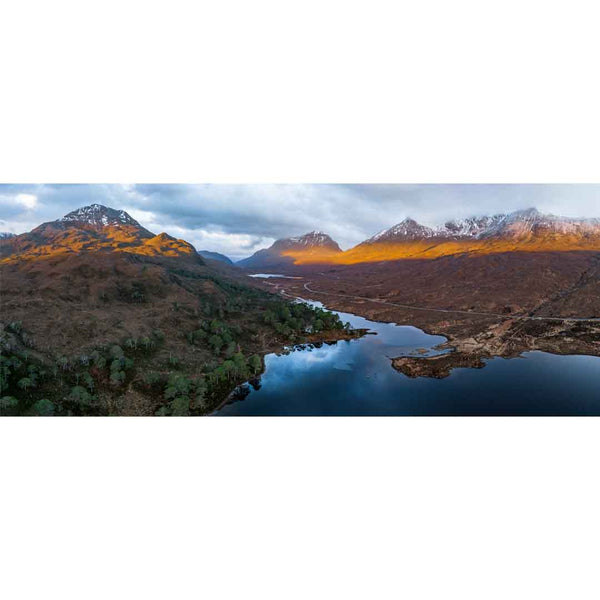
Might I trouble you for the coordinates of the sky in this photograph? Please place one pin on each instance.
(237, 220)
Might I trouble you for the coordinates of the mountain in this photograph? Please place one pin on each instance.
(215, 256)
(6, 234)
(408, 229)
(92, 228)
(519, 225)
(533, 226)
(313, 247)
(521, 231)
(98, 216)
(102, 317)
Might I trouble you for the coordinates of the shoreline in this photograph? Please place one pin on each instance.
(340, 336)
(466, 342)
(462, 351)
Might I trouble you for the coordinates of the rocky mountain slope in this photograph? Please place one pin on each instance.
(91, 229)
(313, 247)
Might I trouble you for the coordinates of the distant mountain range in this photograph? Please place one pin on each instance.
(517, 225)
(97, 228)
(521, 231)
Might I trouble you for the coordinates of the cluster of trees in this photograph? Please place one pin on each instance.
(20, 377)
(75, 382)
(231, 297)
(68, 385)
(236, 368)
(225, 324)
(218, 336)
(9, 405)
(185, 395)
(289, 319)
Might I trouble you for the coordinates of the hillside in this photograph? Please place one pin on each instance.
(132, 323)
(215, 256)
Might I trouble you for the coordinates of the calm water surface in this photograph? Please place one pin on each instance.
(356, 378)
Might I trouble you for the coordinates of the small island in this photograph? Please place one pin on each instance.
(437, 367)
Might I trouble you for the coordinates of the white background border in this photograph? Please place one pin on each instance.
(299, 92)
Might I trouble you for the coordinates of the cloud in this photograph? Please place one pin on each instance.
(29, 201)
(239, 219)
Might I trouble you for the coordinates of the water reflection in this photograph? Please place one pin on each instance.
(356, 378)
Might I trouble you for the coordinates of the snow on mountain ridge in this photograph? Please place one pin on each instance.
(408, 228)
(516, 224)
(530, 221)
(469, 227)
(312, 239)
(99, 215)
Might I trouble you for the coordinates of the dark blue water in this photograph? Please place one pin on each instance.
(356, 378)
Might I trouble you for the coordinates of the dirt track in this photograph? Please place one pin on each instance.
(452, 311)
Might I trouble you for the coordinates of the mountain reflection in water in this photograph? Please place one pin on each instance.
(356, 378)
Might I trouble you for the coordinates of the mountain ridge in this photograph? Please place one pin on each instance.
(93, 228)
(486, 226)
(526, 230)
(96, 227)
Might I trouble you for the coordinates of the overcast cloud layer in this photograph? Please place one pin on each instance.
(237, 220)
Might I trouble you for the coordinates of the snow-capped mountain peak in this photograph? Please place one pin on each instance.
(407, 229)
(314, 239)
(98, 215)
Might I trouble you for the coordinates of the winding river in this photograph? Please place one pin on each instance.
(356, 378)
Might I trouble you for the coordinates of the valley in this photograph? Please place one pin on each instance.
(462, 298)
(495, 285)
(100, 316)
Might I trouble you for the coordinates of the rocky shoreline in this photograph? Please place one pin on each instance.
(472, 339)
